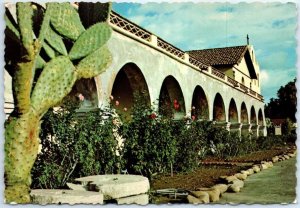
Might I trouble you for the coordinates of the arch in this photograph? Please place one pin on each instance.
(129, 87)
(233, 113)
(244, 114)
(219, 109)
(199, 104)
(253, 116)
(260, 118)
(171, 100)
(88, 89)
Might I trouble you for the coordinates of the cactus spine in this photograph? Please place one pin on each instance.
(57, 77)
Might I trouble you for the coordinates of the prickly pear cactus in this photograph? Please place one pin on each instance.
(54, 52)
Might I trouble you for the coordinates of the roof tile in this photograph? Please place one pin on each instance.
(220, 56)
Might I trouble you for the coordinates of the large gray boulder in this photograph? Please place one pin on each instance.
(116, 186)
(141, 199)
(59, 196)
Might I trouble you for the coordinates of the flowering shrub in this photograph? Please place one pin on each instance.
(191, 144)
(75, 146)
(100, 142)
(149, 146)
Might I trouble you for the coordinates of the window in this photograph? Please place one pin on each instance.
(243, 81)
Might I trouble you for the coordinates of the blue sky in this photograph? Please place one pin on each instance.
(271, 28)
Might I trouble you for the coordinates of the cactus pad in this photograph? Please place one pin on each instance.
(49, 51)
(55, 82)
(90, 40)
(40, 62)
(95, 63)
(65, 20)
(25, 12)
(55, 41)
(10, 25)
(92, 13)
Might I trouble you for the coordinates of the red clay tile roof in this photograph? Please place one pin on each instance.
(278, 121)
(220, 56)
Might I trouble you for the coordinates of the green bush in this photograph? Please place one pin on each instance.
(149, 146)
(75, 146)
(191, 142)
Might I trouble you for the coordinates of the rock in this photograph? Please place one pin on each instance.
(245, 172)
(238, 182)
(214, 194)
(291, 155)
(256, 169)
(263, 166)
(286, 157)
(193, 200)
(251, 171)
(76, 187)
(59, 196)
(142, 199)
(227, 179)
(275, 159)
(117, 186)
(222, 187)
(270, 164)
(241, 176)
(234, 188)
(202, 196)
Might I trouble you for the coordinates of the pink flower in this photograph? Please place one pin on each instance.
(175, 101)
(193, 108)
(117, 103)
(81, 97)
(125, 109)
(152, 116)
(193, 118)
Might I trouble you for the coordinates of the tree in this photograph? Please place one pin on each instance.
(285, 105)
(47, 50)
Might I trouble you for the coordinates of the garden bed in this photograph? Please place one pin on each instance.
(209, 171)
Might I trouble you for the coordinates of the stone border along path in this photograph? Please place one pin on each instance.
(233, 183)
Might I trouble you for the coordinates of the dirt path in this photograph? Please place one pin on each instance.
(274, 185)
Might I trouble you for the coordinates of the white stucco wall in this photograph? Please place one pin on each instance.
(156, 66)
